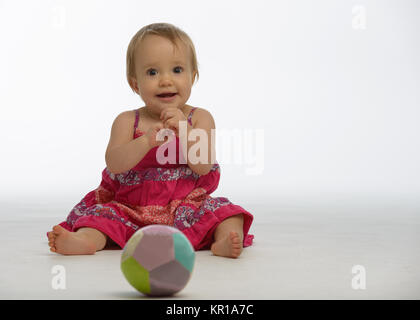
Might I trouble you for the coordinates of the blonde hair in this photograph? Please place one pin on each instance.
(167, 31)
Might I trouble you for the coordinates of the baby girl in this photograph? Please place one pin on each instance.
(137, 189)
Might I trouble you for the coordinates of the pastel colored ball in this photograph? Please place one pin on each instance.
(158, 260)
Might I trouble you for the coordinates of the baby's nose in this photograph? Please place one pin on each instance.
(165, 81)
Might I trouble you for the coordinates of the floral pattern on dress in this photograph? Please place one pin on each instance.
(185, 216)
(99, 210)
(103, 195)
(169, 174)
(156, 214)
(132, 177)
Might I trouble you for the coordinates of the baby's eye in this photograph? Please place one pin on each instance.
(151, 70)
(177, 68)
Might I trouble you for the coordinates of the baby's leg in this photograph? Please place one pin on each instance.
(228, 237)
(84, 241)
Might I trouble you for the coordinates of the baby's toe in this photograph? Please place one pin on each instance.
(234, 237)
(236, 246)
(236, 253)
(57, 230)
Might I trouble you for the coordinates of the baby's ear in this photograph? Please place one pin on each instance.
(193, 76)
(134, 84)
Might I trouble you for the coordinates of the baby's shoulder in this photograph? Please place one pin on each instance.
(128, 116)
(199, 114)
(130, 113)
(125, 120)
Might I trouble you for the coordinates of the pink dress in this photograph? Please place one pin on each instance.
(152, 193)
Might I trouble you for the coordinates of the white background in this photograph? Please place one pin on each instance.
(339, 106)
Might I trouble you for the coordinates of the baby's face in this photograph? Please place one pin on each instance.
(161, 68)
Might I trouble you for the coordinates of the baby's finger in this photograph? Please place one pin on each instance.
(170, 123)
(165, 114)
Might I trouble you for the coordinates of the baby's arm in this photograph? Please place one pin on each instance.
(203, 120)
(123, 153)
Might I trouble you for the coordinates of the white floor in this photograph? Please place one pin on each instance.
(301, 251)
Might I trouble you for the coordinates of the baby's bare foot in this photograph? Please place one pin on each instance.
(65, 242)
(231, 246)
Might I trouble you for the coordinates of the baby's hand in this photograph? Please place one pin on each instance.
(156, 137)
(171, 118)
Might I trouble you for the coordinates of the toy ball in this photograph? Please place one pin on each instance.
(158, 260)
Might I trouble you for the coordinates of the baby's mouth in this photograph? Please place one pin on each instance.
(165, 95)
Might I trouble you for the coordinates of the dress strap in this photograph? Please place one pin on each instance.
(136, 123)
(190, 115)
